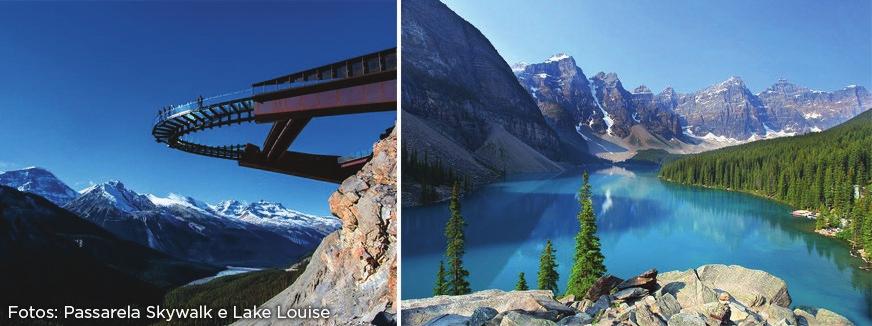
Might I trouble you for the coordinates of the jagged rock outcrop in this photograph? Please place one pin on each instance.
(562, 93)
(727, 109)
(568, 99)
(705, 296)
(465, 106)
(353, 271)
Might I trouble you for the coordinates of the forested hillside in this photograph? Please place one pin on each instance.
(242, 291)
(823, 172)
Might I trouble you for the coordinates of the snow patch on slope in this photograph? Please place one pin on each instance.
(179, 200)
(557, 57)
(608, 119)
(812, 115)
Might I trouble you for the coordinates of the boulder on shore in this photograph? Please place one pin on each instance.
(708, 295)
(749, 286)
(646, 280)
(420, 311)
(603, 286)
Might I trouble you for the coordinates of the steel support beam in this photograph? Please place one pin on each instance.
(287, 134)
(370, 93)
(311, 166)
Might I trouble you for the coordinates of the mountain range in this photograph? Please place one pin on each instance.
(467, 114)
(616, 120)
(51, 257)
(260, 234)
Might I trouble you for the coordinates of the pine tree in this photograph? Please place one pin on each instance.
(522, 283)
(822, 221)
(547, 277)
(589, 263)
(441, 287)
(457, 283)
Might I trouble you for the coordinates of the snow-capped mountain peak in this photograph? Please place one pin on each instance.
(39, 181)
(274, 215)
(180, 201)
(734, 80)
(229, 207)
(519, 67)
(557, 57)
(115, 193)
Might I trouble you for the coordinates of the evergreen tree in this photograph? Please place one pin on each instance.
(588, 264)
(822, 221)
(457, 283)
(441, 287)
(547, 277)
(522, 283)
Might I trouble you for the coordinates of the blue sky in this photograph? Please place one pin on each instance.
(81, 83)
(688, 44)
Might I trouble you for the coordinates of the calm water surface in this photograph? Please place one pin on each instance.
(643, 223)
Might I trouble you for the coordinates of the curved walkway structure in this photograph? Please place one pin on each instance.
(362, 84)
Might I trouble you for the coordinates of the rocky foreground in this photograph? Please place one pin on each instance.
(706, 296)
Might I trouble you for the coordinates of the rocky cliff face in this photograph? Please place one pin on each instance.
(562, 92)
(353, 271)
(728, 109)
(636, 108)
(462, 103)
(599, 106)
(820, 109)
(708, 295)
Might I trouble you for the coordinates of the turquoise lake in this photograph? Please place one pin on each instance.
(643, 223)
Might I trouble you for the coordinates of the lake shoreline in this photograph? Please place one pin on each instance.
(858, 253)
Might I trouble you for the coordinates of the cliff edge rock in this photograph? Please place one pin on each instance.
(353, 271)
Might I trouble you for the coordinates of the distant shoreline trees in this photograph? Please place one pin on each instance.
(430, 174)
(589, 262)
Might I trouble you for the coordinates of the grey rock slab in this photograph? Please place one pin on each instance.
(748, 286)
(415, 312)
(645, 317)
(775, 313)
(481, 315)
(514, 318)
(686, 319)
(577, 319)
(448, 320)
(826, 317)
(686, 287)
(667, 306)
